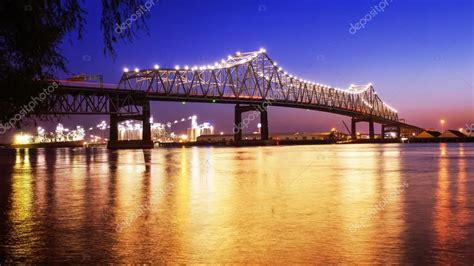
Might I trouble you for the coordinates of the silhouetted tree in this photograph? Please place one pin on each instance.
(31, 32)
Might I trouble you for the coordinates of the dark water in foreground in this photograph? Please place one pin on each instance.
(307, 204)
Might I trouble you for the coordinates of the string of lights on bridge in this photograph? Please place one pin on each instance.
(242, 58)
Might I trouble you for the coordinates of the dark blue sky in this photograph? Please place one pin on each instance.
(417, 53)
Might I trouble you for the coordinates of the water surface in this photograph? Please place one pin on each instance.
(411, 203)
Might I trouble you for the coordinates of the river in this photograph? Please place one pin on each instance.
(355, 203)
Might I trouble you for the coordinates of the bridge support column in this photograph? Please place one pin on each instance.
(371, 130)
(382, 135)
(237, 129)
(146, 133)
(264, 134)
(113, 131)
(113, 123)
(353, 129)
(144, 143)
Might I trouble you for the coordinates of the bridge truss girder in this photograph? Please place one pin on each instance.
(254, 77)
(70, 101)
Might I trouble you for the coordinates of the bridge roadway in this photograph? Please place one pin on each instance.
(250, 81)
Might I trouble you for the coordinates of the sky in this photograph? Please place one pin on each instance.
(417, 53)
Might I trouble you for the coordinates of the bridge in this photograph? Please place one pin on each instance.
(251, 81)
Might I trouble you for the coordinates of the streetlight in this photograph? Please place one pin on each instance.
(442, 125)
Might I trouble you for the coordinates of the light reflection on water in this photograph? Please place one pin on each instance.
(307, 204)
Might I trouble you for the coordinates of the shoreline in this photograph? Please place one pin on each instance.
(247, 143)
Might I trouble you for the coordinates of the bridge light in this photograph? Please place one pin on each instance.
(137, 70)
(238, 53)
(275, 63)
(125, 69)
(262, 50)
(157, 67)
(229, 57)
(176, 67)
(186, 67)
(222, 61)
(280, 69)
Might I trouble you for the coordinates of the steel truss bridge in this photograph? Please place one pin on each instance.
(250, 81)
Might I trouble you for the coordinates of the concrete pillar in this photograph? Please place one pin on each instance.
(383, 132)
(264, 134)
(113, 123)
(353, 129)
(146, 133)
(237, 124)
(371, 130)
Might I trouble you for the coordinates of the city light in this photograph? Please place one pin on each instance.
(442, 125)
(23, 138)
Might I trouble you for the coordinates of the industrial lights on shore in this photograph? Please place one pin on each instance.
(23, 138)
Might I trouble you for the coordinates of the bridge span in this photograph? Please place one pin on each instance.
(250, 81)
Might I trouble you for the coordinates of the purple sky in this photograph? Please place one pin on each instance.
(417, 53)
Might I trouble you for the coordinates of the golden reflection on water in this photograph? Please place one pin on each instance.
(22, 206)
(306, 204)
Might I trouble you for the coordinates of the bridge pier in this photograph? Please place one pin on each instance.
(146, 133)
(146, 141)
(371, 130)
(353, 128)
(239, 126)
(382, 133)
(264, 134)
